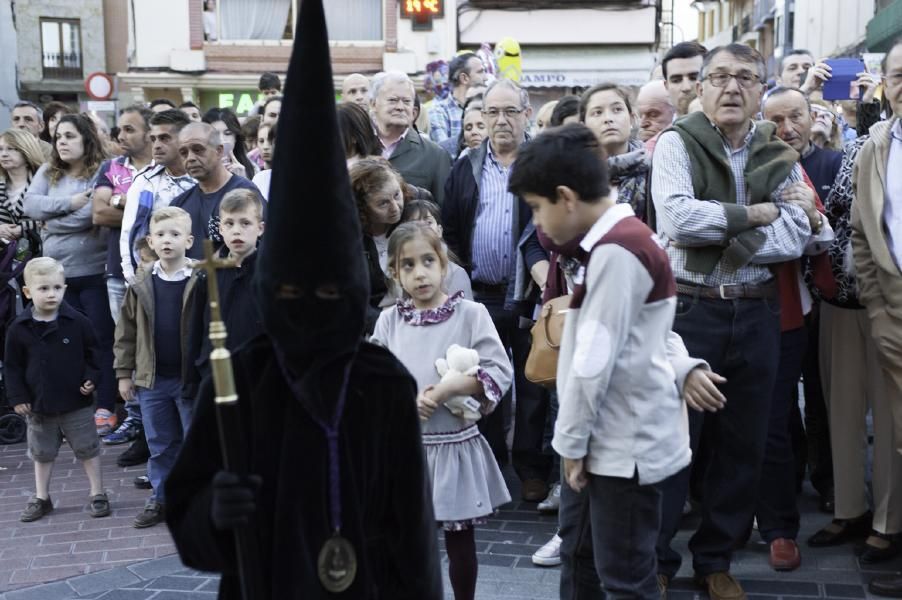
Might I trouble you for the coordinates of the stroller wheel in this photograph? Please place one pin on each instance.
(12, 429)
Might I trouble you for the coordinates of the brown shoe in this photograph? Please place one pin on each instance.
(722, 586)
(534, 490)
(785, 555)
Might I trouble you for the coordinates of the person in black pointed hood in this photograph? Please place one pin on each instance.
(339, 503)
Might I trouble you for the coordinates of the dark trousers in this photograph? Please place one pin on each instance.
(817, 423)
(778, 510)
(529, 460)
(88, 294)
(740, 339)
(619, 519)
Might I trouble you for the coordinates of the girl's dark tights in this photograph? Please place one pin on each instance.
(462, 566)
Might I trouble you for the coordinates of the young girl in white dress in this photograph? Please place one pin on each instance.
(467, 485)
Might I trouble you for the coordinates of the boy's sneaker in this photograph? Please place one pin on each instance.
(136, 454)
(104, 421)
(142, 482)
(552, 503)
(36, 508)
(152, 514)
(548, 555)
(127, 432)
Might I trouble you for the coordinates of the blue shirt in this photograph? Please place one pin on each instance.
(492, 243)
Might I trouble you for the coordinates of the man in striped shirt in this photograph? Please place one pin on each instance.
(728, 195)
(488, 228)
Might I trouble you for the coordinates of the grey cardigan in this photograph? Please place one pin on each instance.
(69, 237)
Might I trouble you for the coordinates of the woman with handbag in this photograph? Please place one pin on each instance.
(20, 159)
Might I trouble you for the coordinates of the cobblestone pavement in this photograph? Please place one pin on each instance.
(69, 555)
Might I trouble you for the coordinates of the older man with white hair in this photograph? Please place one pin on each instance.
(655, 111)
(422, 163)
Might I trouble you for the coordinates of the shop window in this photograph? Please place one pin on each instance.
(61, 48)
(276, 19)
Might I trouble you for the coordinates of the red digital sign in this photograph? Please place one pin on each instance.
(418, 9)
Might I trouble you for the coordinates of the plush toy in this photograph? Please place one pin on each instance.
(460, 360)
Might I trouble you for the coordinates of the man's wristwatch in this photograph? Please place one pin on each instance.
(117, 201)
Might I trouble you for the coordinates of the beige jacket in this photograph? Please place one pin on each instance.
(879, 279)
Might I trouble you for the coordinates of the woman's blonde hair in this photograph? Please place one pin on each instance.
(28, 145)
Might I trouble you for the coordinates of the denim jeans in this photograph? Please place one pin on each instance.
(166, 419)
(115, 287)
(778, 510)
(608, 533)
(88, 294)
(740, 339)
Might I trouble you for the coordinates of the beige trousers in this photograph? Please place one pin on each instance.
(853, 381)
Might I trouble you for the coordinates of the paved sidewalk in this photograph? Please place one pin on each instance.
(76, 557)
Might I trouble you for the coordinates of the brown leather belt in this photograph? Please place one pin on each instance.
(729, 291)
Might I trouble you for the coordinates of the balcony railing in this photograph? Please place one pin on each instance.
(62, 66)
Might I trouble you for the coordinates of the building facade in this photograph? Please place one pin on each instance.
(58, 44)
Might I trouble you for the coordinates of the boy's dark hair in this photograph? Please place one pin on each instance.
(415, 210)
(160, 101)
(565, 107)
(189, 104)
(356, 129)
(250, 127)
(172, 116)
(682, 50)
(241, 199)
(142, 246)
(269, 81)
(569, 156)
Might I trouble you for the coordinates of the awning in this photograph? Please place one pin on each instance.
(585, 66)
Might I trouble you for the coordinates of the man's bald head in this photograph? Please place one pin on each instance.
(356, 88)
(654, 108)
(200, 147)
(201, 131)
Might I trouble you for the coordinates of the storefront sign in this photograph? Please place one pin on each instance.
(240, 101)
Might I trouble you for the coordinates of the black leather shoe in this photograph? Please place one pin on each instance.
(841, 531)
(875, 554)
(136, 454)
(888, 587)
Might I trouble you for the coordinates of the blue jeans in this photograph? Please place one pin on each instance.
(88, 295)
(115, 287)
(166, 419)
(740, 339)
(608, 533)
(778, 511)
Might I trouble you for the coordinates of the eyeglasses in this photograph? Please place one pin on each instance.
(745, 80)
(510, 112)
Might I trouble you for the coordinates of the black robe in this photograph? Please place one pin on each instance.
(386, 496)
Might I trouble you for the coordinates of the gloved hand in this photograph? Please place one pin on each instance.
(234, 499)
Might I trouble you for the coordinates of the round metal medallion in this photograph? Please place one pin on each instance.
(337, 564)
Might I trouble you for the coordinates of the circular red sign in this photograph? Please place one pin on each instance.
(99, 86)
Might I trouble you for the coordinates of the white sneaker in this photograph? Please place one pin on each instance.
(552, 503)
(548, 555)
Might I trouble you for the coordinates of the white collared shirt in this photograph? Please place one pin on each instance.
(183, 273)
(892, 204)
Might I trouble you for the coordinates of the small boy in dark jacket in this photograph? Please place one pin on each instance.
(240, 225)
(50, 369)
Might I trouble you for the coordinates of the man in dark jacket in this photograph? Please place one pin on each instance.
(483, 224)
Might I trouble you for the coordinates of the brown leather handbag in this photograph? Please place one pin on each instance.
(541, 365)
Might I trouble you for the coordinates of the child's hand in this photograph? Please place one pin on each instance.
(700, 390)
(438, 393)
(426, 406)
(127, 389)
(87, 388)
(23, 410)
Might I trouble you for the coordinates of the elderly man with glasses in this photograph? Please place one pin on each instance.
(490, 230)
(730, 202)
